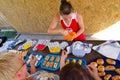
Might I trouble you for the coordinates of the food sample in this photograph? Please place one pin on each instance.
(117, 70)
(48, 63)
(51, 64)
(54, 47)
(31, 57)
(109, 68)
(116, 77)
(110, 61)
(27, 46)
(28, 61)
(100, 61)
(74, 60)
(94, 64)
(107, 77)
(38, 58)
(55, 65)
(36, 63)
(40, 46)
(51, 75)
(52, 58)
(67, 61)
(80, 62)
(101, 68)
(101, 73)
(47, 58)
(57, 59)
(44, 63)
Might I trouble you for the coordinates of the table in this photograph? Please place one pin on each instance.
(88, 57)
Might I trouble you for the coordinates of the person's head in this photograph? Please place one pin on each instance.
(12, 67)
(74, 71)
(65, 8)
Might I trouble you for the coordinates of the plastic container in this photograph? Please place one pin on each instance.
(38, 62)
(54, 47)
(50, 63)
(70, 36)
(80, 61)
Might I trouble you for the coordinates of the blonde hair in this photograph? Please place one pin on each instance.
(9, 65)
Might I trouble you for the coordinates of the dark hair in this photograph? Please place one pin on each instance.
(74, 71)
(65, 7)
(63, 1)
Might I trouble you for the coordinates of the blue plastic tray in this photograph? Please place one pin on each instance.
(117, 65)
(34, 54)
(84, 62)
(48, 68)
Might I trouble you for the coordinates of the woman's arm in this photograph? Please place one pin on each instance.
(32, 64)
(53, 25)
(81, 24)
(93, 72)
(63, 57)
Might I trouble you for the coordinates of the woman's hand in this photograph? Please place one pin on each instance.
(63, 32)
(93, 71)
(64, 54)
(32, 64)
(33, 60)
(63, 57)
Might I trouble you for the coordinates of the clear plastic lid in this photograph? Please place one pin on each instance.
(44, 75)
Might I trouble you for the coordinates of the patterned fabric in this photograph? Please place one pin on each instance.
(15, 43)
(110, 49)
(9, 45)
(5, 46)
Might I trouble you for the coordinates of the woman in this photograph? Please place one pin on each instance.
(74, 71)
(70, 20)
(13, 67)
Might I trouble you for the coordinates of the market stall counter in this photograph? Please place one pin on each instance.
(87, 57)
(48, 53)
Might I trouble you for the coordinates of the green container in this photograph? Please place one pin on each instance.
(9, 33)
